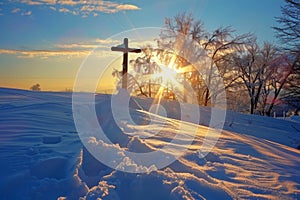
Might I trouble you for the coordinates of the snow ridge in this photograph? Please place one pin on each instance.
(42, 157)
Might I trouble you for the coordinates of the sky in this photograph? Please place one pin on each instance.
(46, 41)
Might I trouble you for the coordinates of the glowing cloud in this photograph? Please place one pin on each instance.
(79, 7)
(44, 53)
(95, 43)
(76, 46)
(38, 2)
(107, 41)
(64, 51)
(127, 7)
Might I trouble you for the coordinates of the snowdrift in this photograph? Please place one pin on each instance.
(42, 156)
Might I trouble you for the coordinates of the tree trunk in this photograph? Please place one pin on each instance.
(206, 97)
(251, 108)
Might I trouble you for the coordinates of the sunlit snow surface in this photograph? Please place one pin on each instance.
(42, 157)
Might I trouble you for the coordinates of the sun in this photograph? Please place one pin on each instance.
(168, 75)
(170, 83)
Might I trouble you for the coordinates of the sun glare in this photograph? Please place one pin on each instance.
(169, 81)
(168, 75)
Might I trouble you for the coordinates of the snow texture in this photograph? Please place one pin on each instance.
(42, 157)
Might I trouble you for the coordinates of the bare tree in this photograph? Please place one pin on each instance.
(288, 33)
(288, 30)
(36, 87)
(249, 72)
(279, 71)
(263, 71)
(220, 45)
(253, 66)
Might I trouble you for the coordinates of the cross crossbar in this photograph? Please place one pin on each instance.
(125, 49)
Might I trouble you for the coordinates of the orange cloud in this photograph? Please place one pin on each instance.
(44, 53)
(64, 53)
(76, 46)
(97, 43)
(107, 41)
(67, 50)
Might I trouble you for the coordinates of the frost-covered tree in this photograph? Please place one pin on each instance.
(250, 71)
(263, 72)
(260, 71)
(218, 45)
(133, 84)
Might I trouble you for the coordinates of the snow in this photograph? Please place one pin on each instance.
(295, 118)
(42, 155)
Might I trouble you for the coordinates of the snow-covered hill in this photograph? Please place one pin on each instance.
(42, 156)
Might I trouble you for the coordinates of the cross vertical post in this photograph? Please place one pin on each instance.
(125, 64)
(125, 49)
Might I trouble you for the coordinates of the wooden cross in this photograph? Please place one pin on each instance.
(125, 49)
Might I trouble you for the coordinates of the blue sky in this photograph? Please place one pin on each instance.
(46, 41)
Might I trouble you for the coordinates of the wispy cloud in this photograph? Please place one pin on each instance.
(38, 2)
(70, 2)
(44, 53)
(76, 46)
(23, 13)
(64, 10)
(127, 7)
(69, 50)
(80, 7)
(16, 10)
(106, 41)
(91, 44)
(26, 13)
(52, 8)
